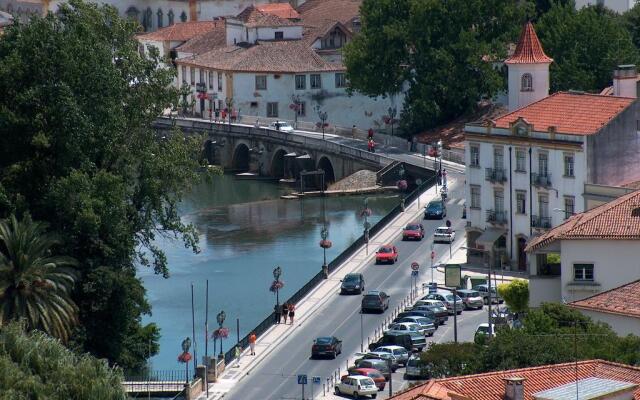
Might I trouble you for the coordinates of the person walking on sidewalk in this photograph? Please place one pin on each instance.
(285, 312)
(238, 352)
(252, 343)
(278, 312)
(292, 312)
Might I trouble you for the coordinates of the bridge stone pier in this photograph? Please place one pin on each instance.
(271, 153)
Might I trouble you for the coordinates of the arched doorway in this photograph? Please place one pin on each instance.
(329, 176)
(240, 161)
(278, 164)
(209, 152)
(522, 255)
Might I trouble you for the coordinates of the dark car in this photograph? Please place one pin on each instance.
(376, 363)
(375, 301)
(412, 341)
(413, 231)
(417, 313)
(352, 283)
(436, 209)
(441, 314)
(326, 346)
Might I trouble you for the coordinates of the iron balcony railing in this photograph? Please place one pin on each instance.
(541, 180)
(495, 175)
(496, 217)
(540, 222)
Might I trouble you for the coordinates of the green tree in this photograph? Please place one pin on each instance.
(451, 359)
(35, 366)
(34, 284)
(437, 50)
(78, 151)
(515, 294)
(586, 45)
(541, 7)
(632, 22)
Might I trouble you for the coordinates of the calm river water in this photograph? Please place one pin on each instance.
(246, 230)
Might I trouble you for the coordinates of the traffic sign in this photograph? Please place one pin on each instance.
(414, 273)
(415, 266)
(316, 379)
(302, 379)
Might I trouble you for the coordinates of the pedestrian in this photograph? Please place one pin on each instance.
(292, 312)
(285, 312)
(278, 311)
(370, 133)
(370, 145)
(252, 343)
(439, 177)
(353, 132)
(238, 352)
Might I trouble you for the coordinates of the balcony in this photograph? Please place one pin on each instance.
(540, 222)
(497, 217)
(540, 180)
(495, 175)
(201, 87)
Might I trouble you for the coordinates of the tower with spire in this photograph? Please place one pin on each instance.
(528, 70)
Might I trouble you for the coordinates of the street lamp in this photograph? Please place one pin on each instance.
(440, 153)
(392, 115)
(220, 318)
(185, 356)
(323, 118)
(277, 272)
(366, 213)
(325, 244)
(402, 186)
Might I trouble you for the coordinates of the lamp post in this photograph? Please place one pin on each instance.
(440, 153)
(323, 116)
(186, 345)
(392, 115)
(277, 272)
(324, 234)
(220, 318)
(402, 186)
(366, 213)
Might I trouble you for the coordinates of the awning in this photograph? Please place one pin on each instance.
(489, 236)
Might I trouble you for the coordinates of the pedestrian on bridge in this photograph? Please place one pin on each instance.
(292, 312)
(285, 312)
(278, 311)
(252, 343)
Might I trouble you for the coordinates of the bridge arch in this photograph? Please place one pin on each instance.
(279, 164)
(324, 163)
(240, 160)
(209, 151)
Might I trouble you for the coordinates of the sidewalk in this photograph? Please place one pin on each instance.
(306, 308)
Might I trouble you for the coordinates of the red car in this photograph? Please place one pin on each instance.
(387, 253)
(413, 231)
(374, 374)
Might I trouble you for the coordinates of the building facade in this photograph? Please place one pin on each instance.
(619, 6)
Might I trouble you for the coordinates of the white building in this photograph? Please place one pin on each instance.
(165, 40)
(619, 6)
(535, 160)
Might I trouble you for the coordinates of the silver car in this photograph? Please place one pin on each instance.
(471, 299)
(426, 324)
(447, 299)
(399, 352)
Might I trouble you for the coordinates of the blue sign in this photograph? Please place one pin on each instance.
(302, 379)
(433, 287)
(316, 379)
(414, 273)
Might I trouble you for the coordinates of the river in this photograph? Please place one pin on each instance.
(245, 231)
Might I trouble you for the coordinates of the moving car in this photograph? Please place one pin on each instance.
(375, 300)
(448, 300)
(352, 283)
(399, 352)
(428, 325)
(281, 126)
(483, 289)
(356, 385)
(414, 369)
(371, 373)
(436, 209)
(376, 363)
(387, 253)
(326, 346)
(413, 231)
(471, 299)
(444, 234)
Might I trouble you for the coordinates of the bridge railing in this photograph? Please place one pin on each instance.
(156, 381)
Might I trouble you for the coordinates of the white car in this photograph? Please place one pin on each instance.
(483, 329)
(356, 386)
(398, 351)
(405, 326)
(444, 234)
(281, 126)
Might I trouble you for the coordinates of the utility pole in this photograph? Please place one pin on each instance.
(455, 315)
(490, 295)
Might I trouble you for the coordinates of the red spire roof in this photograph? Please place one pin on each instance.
(529, 49)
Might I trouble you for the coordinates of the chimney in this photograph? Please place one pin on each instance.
(193, 10)
(625, 79)
(514, 388)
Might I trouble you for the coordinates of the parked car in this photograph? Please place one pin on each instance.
(438, 308)
(471, 299)
(483, 330)
(281, 126)
(448, 300)
(444, 234)
(484, 292)
(352, 283)
(375, 300)
(326, 346)
(436, 209)
(395, 339)
(413, 231)
(428, 325)
(399, 353)
(386, 357)
(414, 369)
(405, 327)
(417, 313)
(387, 254)
(376, 363)
(370, 373)
(357, 385)
(418, 342)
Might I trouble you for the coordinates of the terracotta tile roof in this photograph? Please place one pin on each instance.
(214, 39)
(491, 386)
(569, 113)
(282, 10)
(311, 34)
(616, 220)
(180, 32)
(252, 17)
(274, 57)
(316, 13)
(623, 300)
(529, 50)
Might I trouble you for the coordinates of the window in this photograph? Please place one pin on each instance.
(341, 80)
(583, 272)
(475, 196)
(302, 109)
(272, 110)
(568, 165)
(301, 82)
(219, 81)
(526, 83)
(202, 78)
(543, 206)
(183, 17)
(475, 156)
(261, 82)
(193, 75)
(569, 206)
(498, 200)
(316, 81)
(170, 15)
(279, 35)
(184, 74)
(521, 161)
(521, 202)
(498, 158)
(210, 79)
(160, 21)
(543, 164)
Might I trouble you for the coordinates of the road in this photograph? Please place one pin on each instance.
(275, 376)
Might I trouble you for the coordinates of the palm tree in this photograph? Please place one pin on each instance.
(35, 285)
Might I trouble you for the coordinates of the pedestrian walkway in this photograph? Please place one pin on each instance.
(305, 309)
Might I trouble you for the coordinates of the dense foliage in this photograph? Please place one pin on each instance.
(552, 334)
(35, 366)
(78, 152)
(515, 294)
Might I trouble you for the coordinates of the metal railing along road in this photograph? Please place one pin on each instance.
(156, 381)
